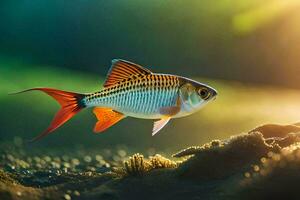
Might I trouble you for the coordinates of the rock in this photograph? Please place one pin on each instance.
(262, 164)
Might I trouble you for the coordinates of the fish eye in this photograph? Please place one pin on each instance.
(204, 93)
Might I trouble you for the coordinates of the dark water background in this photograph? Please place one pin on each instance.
(238, 40)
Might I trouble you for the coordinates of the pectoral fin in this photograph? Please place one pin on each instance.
(158, 125)
(172, 110)
(107, 118)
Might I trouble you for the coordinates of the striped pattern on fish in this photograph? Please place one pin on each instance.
(139, 96)
(131, 90)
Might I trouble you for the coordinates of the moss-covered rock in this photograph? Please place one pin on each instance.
(218, 162)
(276, 176)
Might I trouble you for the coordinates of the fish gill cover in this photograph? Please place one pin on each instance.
(246, 166)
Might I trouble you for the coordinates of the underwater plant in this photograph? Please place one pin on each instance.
(137, 165)
(157, 161)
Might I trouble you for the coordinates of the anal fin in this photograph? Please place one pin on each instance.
(106, 118)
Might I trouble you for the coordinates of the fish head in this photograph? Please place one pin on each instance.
(195, 95)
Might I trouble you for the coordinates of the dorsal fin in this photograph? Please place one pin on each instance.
(122, 69)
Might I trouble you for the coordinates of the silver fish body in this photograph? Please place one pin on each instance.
(146, 96)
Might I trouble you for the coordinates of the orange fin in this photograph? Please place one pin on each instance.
(107, 117)
(158, 125)
(70, 105)
(122, 69)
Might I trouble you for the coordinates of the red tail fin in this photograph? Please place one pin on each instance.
(70, 105)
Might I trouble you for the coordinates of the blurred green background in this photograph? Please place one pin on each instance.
(248, 50)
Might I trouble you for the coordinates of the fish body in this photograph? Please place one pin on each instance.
(131, 90)
(146, 96)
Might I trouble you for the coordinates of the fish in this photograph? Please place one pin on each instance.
(131, 90)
